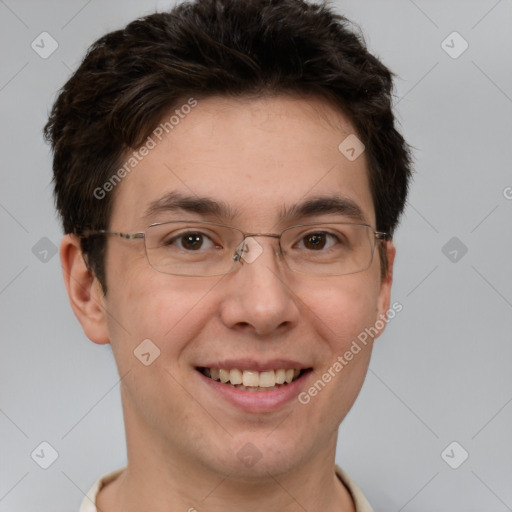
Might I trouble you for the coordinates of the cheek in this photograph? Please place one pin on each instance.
(343, 308)
(343, 316)
(168, 310)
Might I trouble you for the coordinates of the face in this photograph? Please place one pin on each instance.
(256, 158)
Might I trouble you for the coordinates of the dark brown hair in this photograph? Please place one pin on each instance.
(131, 78)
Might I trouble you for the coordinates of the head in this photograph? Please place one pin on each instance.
(246, 104)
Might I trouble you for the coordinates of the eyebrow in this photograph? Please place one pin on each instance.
(202, 205)
(323, 205)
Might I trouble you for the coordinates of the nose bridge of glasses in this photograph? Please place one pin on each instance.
(249, 249)
(268, 235)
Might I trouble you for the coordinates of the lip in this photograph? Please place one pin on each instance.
(256, 365)
(257, 401)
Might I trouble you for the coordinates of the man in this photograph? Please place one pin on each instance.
(229, 179)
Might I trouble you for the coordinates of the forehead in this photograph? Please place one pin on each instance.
(259, 160)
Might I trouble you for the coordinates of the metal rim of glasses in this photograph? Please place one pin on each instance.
(378, 236)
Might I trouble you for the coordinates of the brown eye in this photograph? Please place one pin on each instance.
(315, 241)
(192, 241)
(318, 241)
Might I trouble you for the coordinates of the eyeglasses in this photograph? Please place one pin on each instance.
(192, 248)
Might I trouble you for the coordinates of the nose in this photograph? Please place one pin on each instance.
(257, 298)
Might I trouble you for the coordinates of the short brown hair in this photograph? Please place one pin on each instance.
(132, 77)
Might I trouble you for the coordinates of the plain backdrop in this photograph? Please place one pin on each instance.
(441, 372)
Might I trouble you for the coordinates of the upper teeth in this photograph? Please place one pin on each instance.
(266, 379)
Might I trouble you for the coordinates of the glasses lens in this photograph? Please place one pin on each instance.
(192, 248)
(328, 249)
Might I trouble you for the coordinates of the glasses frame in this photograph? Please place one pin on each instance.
(379, 236)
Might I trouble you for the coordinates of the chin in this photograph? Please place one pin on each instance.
(252, 456)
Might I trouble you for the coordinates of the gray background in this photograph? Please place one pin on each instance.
(441, 372)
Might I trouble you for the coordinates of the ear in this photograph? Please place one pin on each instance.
(384, 298)
(84, 291)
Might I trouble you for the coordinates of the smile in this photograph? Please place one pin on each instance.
(252, 380)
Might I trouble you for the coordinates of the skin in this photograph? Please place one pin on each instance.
(182, 439)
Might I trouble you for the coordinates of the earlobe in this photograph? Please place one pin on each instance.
(84, 291)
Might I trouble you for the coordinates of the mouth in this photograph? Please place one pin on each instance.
(253, 380)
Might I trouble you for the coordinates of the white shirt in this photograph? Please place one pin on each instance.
(89, 502)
